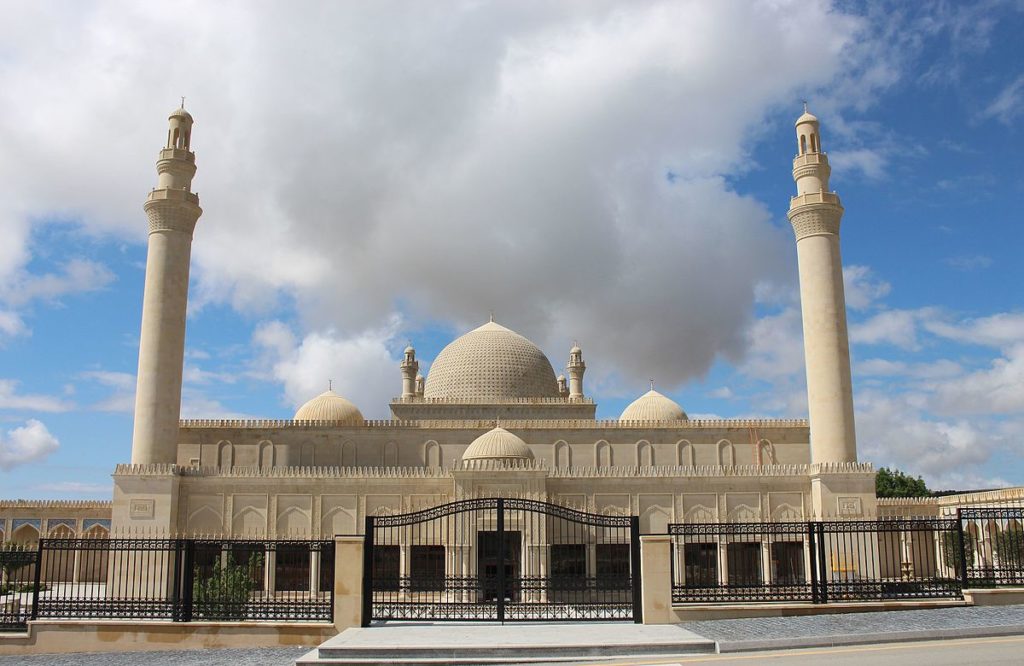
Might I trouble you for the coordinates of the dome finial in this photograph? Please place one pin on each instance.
(182, 101)
(805, 105)
(652, 384)
(491, 316)
(330, 384)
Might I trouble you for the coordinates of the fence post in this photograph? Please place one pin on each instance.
(501, 559)
(38, 580)
(822, 565)
(367, 614)
(962, 545)
(812, 558)
(637, 571)
(188, 576)
(176, 583)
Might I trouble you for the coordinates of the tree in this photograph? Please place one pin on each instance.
(894, 483)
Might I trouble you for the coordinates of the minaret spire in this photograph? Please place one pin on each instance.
(815, 214)
(172, 209)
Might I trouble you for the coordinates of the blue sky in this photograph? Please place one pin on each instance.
(616, 173)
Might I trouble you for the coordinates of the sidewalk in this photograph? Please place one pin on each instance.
(772, 633)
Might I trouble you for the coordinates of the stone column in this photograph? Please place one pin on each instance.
(348, 582)
(656, 578)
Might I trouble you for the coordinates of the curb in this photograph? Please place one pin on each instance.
(839, 640)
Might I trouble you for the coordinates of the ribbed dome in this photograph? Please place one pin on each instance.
(498, 444)
(653, 406)
(491, 363)
(329, 406)
(807, 117)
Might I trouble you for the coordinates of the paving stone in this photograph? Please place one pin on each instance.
(253, 657)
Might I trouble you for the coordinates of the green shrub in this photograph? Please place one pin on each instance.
(223, 593)
(1009, 545)
(951, 550)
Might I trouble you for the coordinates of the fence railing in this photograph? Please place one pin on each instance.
(180, 580)
(817, 562)
(993, 553)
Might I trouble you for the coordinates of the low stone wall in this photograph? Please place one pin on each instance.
(58, 637)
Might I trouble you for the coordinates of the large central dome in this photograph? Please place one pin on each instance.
(491, 364)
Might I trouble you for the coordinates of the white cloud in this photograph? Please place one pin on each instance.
(10, 399)
(998, 389)
(29, 443)
(1008, 104)
(862, 287)
(359, 366)
(122, 390)
(871, 162)
(76, 276)
(893, 327)
(998, 330)
(450, 158)
(11, 324)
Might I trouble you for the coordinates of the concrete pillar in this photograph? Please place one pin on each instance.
(172, 210)
(815, 214)
(656, 578)
(314, 572)
(348, 582)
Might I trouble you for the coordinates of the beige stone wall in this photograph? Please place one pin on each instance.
(441, 443)
(24, 521)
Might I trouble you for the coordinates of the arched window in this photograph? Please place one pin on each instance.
(644, 453)
(814, 143)
(432, 454)
(266, 454)
(176, 137)
(803, 144)
(765, 453)
(389, 456)
(563, 455)
(225, 454)
(603, 454)
(726, 455)
(348, 454)
(684, 453)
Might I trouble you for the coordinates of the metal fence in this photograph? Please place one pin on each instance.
(993, 552)
(181, 580)
(817, 562)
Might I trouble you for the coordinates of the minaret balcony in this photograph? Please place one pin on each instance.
(177, 154)
(814, 198)
(173, 195)
(809, 159)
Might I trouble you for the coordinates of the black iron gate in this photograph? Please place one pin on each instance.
(497, 559)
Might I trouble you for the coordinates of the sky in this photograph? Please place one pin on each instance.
(612, 173)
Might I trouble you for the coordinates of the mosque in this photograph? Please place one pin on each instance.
(491, 418)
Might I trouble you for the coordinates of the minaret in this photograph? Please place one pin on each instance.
(410, 368)
(172, 209)
(815, 214)
(576, 369)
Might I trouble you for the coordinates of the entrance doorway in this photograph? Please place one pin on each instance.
(490, 562)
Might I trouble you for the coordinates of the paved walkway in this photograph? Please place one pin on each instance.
(732, 635)
(854, 628)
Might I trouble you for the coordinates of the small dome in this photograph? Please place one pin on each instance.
(807, 117)
(181, 113)
(653, 406)
(575, 350)
(410, 350)
(498, 444)
(329, 406)
(491, 363)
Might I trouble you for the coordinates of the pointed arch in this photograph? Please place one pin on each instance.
(602, 454)
(225, 454)
(563, 455)
(726, 453)
(803, 144)
(26, 533)
(348, 454)
(644, 454)
(293, 522)
(205, 520)
(266, 454)
(684, 453)
(432, 453)
(389, 455)
(765, 452)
